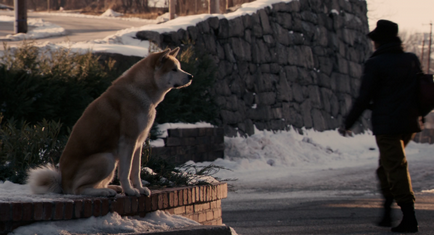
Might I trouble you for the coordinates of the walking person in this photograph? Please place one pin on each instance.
(388, 88)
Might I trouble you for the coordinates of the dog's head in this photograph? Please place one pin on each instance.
(168, 73)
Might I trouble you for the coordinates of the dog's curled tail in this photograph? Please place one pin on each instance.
(44, 179)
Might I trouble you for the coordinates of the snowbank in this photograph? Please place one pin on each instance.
(111, 13)
(111, 223)
(41, 29)
(322, 163)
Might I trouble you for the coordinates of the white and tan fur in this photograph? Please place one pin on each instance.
(111, 132)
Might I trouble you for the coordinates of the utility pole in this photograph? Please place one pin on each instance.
(423, 48)
(214, 6)
(20, 25)
(172, 9)
(229, 3)
(429, 48)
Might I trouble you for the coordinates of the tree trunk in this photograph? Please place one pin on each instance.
(20, 16)
(214, 7)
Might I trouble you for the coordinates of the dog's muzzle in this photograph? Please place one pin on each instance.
(190, 78)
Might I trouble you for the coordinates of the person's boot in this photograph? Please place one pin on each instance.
(386, 221)
(409, 222)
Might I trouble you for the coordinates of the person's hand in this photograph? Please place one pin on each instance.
(345, 133)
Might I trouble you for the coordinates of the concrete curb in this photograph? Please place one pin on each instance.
(195, 230)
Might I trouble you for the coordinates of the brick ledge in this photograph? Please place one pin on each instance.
(201, 203)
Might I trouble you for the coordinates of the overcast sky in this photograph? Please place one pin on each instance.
(410, 15)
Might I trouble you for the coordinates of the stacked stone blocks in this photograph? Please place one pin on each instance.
(295, 63)
(196, 144)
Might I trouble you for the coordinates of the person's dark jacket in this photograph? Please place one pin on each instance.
(388, 88)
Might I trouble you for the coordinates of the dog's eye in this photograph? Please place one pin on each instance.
(175, 69)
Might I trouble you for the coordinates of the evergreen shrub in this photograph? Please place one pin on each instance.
(24, 146)
(44, 92)
(55, 85)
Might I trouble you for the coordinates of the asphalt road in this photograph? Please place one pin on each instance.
(77, 28)
(335, 215)
(338, 201)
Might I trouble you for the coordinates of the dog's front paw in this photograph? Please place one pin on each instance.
(145, 191)
(132, 192)
(117, 188)
(109, 193)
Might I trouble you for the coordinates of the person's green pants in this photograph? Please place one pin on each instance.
(393, 172)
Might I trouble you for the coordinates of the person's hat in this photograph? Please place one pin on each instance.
(385, 31)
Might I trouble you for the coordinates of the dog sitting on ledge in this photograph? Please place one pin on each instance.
(111, 132)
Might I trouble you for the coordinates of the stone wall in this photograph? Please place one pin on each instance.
(196, 144)
(294, 64)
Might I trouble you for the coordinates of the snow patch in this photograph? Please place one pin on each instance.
(334, 11)
(42, 30)
(162, 128)
(111, 223)
(111, 13)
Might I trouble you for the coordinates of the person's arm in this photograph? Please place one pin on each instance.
(367, 89)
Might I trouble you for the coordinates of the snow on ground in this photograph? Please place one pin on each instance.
(111, 223)
(41, 29)
(288, 164)
(124, 41)
(127, 36)
(284, 164)
(163, 127)
(108, 14)
(287, 160)
(111, 13)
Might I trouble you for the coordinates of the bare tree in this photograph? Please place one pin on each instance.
(412, 42)
(374, 15)
(154, 3)
(142, 5)
(127, 4)
(417, 43)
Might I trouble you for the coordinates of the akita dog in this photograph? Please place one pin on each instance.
(111, 132)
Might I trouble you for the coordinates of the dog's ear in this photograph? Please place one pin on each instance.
(165, 53)
(163, 57)
(174, 52)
